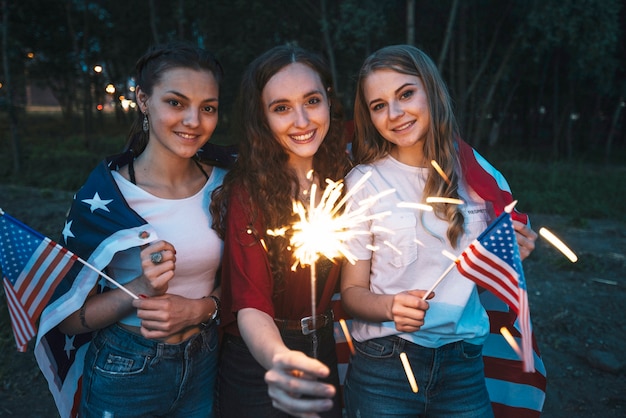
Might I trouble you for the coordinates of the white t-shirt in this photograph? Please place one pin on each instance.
(407, 254)
(186, 224)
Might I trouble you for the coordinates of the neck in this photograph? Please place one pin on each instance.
(413, 156)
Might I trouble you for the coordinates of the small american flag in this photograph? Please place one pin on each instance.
(32, 266)
(493, 261)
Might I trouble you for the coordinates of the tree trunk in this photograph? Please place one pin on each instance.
(153, 21)
(329, 46)
(410, 22)
(493, 85)
(15, 140)
(613, 129)
(446, 41)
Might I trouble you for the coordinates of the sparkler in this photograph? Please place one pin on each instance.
(323, 229)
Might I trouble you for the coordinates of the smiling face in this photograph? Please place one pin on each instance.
(297, 110)
(182, 110)
(398, 107)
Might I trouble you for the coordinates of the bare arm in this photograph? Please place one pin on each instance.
(406, 309)
(104, 309)
(290, 374)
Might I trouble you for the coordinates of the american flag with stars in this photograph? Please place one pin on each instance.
(493, 262)
(32, 266)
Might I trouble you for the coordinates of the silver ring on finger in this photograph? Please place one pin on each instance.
(156, 258)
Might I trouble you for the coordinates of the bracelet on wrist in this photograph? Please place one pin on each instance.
(215, 315)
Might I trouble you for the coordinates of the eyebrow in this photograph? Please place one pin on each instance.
(179, 94)
(277, 101)
(395, 92)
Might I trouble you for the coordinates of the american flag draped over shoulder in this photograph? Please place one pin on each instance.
(32, 266)
(100, 224)
(513, 392)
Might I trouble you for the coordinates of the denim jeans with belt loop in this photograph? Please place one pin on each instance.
(450, 380)
(127, 375)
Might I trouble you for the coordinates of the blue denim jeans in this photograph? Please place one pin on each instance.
(241, 387)
(127, 375)
(450, 380)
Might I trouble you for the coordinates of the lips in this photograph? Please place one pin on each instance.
(404, 126)
(186, 135)
(305, 137)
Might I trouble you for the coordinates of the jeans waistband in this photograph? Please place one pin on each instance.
(190, 346)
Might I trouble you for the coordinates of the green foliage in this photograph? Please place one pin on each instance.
(576, 189)
(53, 156)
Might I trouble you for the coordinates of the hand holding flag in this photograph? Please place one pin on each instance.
(32, 266)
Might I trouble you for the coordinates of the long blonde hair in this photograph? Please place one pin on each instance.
(369, 146)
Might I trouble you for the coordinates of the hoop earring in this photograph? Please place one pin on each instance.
(145, 126)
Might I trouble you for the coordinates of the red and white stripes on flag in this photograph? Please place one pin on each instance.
(32, 266)
(492, 261)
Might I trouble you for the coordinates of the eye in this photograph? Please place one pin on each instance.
(377, 107)
(280, 109)
(174, 103)
(406, 94)
(210, 109)
(314, 100)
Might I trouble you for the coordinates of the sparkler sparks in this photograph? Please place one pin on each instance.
(552, 239)
(440, 171)
(509, 339)
(452, 201)
(323, 229)
(346, 332)
(408, 371)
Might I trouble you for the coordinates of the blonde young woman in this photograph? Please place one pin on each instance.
(403, 121)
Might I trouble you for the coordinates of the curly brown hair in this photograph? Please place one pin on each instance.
(261, 168)
(440, 145)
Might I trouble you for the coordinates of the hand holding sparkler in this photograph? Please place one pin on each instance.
(293, 385)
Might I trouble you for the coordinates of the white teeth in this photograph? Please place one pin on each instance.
(303, 137)
(406, 125)
(186, 136)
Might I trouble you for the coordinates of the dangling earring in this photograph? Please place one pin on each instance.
(145, 126)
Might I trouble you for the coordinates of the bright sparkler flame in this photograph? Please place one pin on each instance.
(323, 229)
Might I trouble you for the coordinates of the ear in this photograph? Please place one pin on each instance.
(142, 99)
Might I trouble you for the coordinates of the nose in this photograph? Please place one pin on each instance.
(301, 117)
(395, 110)
(192, 118)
